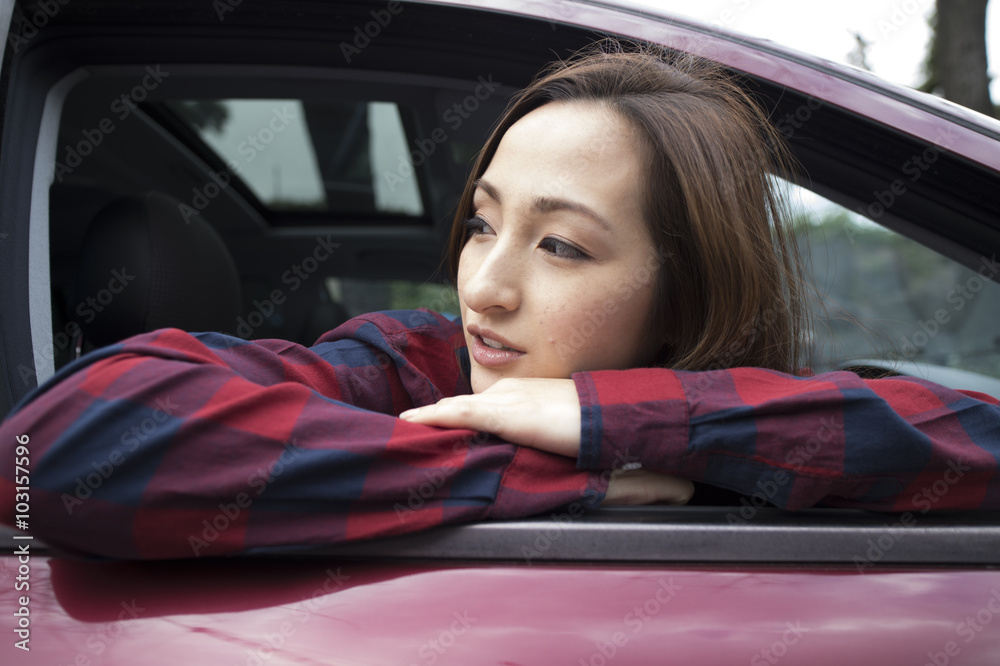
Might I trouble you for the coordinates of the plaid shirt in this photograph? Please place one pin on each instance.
(172, 444)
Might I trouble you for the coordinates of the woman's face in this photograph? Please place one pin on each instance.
(559, 273)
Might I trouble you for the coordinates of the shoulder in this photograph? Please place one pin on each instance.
(425, 347)
(421, 337)
(397, 326)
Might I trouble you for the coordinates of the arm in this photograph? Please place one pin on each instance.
(889, 444)
(180, 445)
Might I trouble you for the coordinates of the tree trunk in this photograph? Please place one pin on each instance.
(957, 62)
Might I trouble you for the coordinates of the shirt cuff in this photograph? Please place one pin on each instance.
(536, 482)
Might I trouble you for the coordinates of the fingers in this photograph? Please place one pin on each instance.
(540, 413)
(455, 413)
(639, 487)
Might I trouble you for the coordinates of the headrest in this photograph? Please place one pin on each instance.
(146, 265)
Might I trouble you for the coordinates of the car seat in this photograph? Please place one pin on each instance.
(147, 264)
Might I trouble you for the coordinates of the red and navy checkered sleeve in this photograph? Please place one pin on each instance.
(895, 444)
(172, 444)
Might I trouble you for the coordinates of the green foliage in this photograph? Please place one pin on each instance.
(888, 296)
(405, 295)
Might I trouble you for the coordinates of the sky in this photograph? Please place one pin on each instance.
(896, 30)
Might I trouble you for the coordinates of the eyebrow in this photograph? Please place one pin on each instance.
(545, 204)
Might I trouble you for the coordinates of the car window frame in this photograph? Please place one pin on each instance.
(654, 534)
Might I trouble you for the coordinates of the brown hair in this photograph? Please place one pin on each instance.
(729, 290)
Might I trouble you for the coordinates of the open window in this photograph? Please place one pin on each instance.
(893, 305)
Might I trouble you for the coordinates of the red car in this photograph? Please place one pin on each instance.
(297, 128)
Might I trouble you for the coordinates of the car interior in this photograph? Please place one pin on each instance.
(272, 175)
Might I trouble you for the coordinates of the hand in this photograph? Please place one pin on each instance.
(540, 413)
(545, 414)
(633, 487)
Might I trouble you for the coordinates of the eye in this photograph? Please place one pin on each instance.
(562, 249)
(476, 226)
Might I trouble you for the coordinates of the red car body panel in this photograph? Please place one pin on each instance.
(317, 612)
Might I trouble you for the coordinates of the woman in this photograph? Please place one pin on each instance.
(630, 319)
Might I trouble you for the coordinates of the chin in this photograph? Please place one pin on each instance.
(479, 382)
(482, 378)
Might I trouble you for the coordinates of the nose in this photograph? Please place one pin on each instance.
(490, 276)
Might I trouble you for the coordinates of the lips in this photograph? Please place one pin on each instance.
(490, 349)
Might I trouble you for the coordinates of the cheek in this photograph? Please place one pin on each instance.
(612, 328)
(646, 339)
(465, 266)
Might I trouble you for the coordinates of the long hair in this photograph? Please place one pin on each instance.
(730, 287)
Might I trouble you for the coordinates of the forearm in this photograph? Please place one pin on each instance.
(833, 439)
(176, 450)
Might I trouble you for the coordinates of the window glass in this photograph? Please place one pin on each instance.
(360, 296)
(305, 156)
(889, 297)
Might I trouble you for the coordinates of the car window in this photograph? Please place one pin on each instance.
(890, 297)
(307, 156)
(281, 167)
(360, 296)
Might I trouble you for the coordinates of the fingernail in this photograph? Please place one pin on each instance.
(408, 413)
